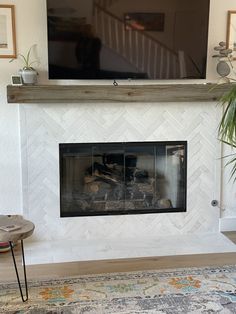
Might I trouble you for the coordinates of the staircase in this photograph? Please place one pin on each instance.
(141, 50)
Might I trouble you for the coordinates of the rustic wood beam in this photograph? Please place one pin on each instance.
(113, 94)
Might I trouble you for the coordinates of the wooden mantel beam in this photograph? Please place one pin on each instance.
(113, 94)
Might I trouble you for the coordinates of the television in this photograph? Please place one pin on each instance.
(127, 39)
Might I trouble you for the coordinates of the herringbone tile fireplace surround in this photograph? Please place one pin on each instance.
(44, 126)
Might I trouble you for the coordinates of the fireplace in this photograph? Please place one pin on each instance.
(122, 178)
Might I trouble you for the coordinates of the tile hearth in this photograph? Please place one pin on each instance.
(87, 250)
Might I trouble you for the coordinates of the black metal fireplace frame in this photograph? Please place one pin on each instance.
(64, 146)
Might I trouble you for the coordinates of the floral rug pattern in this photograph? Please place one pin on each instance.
(189, 290)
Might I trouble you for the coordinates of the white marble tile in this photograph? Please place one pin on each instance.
(44, 126)
(68, 251)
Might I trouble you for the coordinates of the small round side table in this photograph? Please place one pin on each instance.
(25, 230)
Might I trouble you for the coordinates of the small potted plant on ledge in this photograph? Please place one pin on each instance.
(28, 73)
(227, 127)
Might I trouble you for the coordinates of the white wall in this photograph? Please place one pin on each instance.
(31, 29)
(10, 187)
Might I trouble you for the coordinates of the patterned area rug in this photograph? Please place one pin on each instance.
(189, 290)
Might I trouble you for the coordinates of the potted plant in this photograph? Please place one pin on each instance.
(227, 126)
(28, 73)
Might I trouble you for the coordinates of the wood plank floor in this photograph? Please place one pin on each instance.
(7, 272)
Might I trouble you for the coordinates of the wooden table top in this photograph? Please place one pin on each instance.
(25, 230)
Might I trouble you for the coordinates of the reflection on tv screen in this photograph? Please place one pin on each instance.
(127, 39)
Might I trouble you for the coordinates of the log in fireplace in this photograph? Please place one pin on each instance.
(122, 178)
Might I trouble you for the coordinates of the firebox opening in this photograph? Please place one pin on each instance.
(122, 178)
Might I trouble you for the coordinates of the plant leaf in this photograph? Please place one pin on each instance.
(227, 127)
(24, 59)
(33, 62)
(227, 143)
(28, 56)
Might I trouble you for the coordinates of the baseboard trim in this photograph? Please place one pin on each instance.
(228, 224)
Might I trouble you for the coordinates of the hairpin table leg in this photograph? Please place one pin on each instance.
(17, 275)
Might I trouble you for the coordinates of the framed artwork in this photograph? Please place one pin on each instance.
(231, 32)
(7, 31)
(144, 21)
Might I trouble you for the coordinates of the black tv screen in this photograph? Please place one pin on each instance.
(127, 39)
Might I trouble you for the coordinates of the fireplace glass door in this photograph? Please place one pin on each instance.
(122, 178)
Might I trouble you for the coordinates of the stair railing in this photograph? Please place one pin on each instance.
(145, 53)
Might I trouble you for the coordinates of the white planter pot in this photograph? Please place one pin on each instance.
(29, 76)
